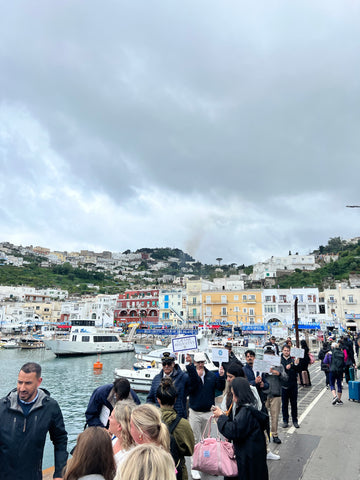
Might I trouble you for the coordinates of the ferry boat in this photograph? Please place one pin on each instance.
(87, 339)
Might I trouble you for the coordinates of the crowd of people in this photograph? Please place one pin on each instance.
(124, 439)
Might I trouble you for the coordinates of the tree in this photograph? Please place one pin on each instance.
(219, 260)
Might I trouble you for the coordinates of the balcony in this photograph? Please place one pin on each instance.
(250, 300)
(351, 302)
(216, 303)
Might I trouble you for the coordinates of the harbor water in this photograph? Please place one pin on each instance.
(70, 381)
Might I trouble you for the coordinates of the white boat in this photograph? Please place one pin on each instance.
(141, 379)
(10, 344)
(87, 339)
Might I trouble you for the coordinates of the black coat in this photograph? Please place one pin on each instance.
(22, 439)
(247, 435)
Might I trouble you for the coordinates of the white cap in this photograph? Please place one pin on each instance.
(199, 357)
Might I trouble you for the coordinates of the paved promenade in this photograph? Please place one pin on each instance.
(326, 446)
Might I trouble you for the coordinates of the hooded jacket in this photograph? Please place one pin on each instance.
(22, 438)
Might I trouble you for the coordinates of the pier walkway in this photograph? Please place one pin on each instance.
(325, 447)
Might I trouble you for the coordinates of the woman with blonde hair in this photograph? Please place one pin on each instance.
(146, 426)
(147, 462)
(93, 457)
(119, 425)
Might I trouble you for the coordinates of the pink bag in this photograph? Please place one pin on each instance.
(312, 358)
(214, 456)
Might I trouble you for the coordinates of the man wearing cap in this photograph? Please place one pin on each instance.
(202, 387)
(232, 358)
(180, 379)
(275, 379)
(272, 343)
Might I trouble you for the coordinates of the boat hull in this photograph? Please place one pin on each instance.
(140, 380)
(65, 348)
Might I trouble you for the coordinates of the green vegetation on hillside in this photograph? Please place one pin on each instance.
(75, 280)
(325, 277)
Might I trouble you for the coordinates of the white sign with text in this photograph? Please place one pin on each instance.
(182, 344)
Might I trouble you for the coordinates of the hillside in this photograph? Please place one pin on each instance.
(325, 276)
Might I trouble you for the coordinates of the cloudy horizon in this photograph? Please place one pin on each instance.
(224, 129)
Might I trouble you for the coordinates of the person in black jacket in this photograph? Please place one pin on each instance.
(289, 388)
(27, 414)
(180, 379)
(103, 399)
(202, 384)
(304, 363)
(324, 367)
(232, 358)
(246, 430)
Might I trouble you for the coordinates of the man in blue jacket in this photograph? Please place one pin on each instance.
(103, 399)
(203, 385)
(180, 379)
(27, 414)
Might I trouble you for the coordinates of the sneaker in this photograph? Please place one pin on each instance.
(335, 401)
(196, 475)
(272, 456)
(285, 425)
(340, 402)
(276, 439)
(327, 387)
(296, 425)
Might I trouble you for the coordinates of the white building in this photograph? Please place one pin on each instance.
(343, 304)
(172, 305)
(278, 305)
(269, 268)
(99, 307)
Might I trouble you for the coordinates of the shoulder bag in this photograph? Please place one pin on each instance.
(214, 456)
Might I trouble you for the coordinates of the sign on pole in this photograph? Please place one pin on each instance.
(181, 344)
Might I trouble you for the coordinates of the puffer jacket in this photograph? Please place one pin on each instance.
(22, 438)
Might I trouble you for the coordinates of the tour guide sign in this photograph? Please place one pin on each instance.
(182, 344)
(220, 355)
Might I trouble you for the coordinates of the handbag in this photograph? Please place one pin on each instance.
(312, 358)
(213, 455)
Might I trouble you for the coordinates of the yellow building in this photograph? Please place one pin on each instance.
(47, 311)
(238, 307)
(61, 256)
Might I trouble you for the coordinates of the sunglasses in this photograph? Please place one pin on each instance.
(167, 362)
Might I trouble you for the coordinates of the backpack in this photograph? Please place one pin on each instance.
(337, 362)
(174, 449)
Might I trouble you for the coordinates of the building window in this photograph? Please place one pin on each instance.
(251, 311)
(223, 299)
(223, 311)
(208, 299)
(236, 297)
(244, 310)
(244, 297)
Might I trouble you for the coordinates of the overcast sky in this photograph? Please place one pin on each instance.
(225, 128)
